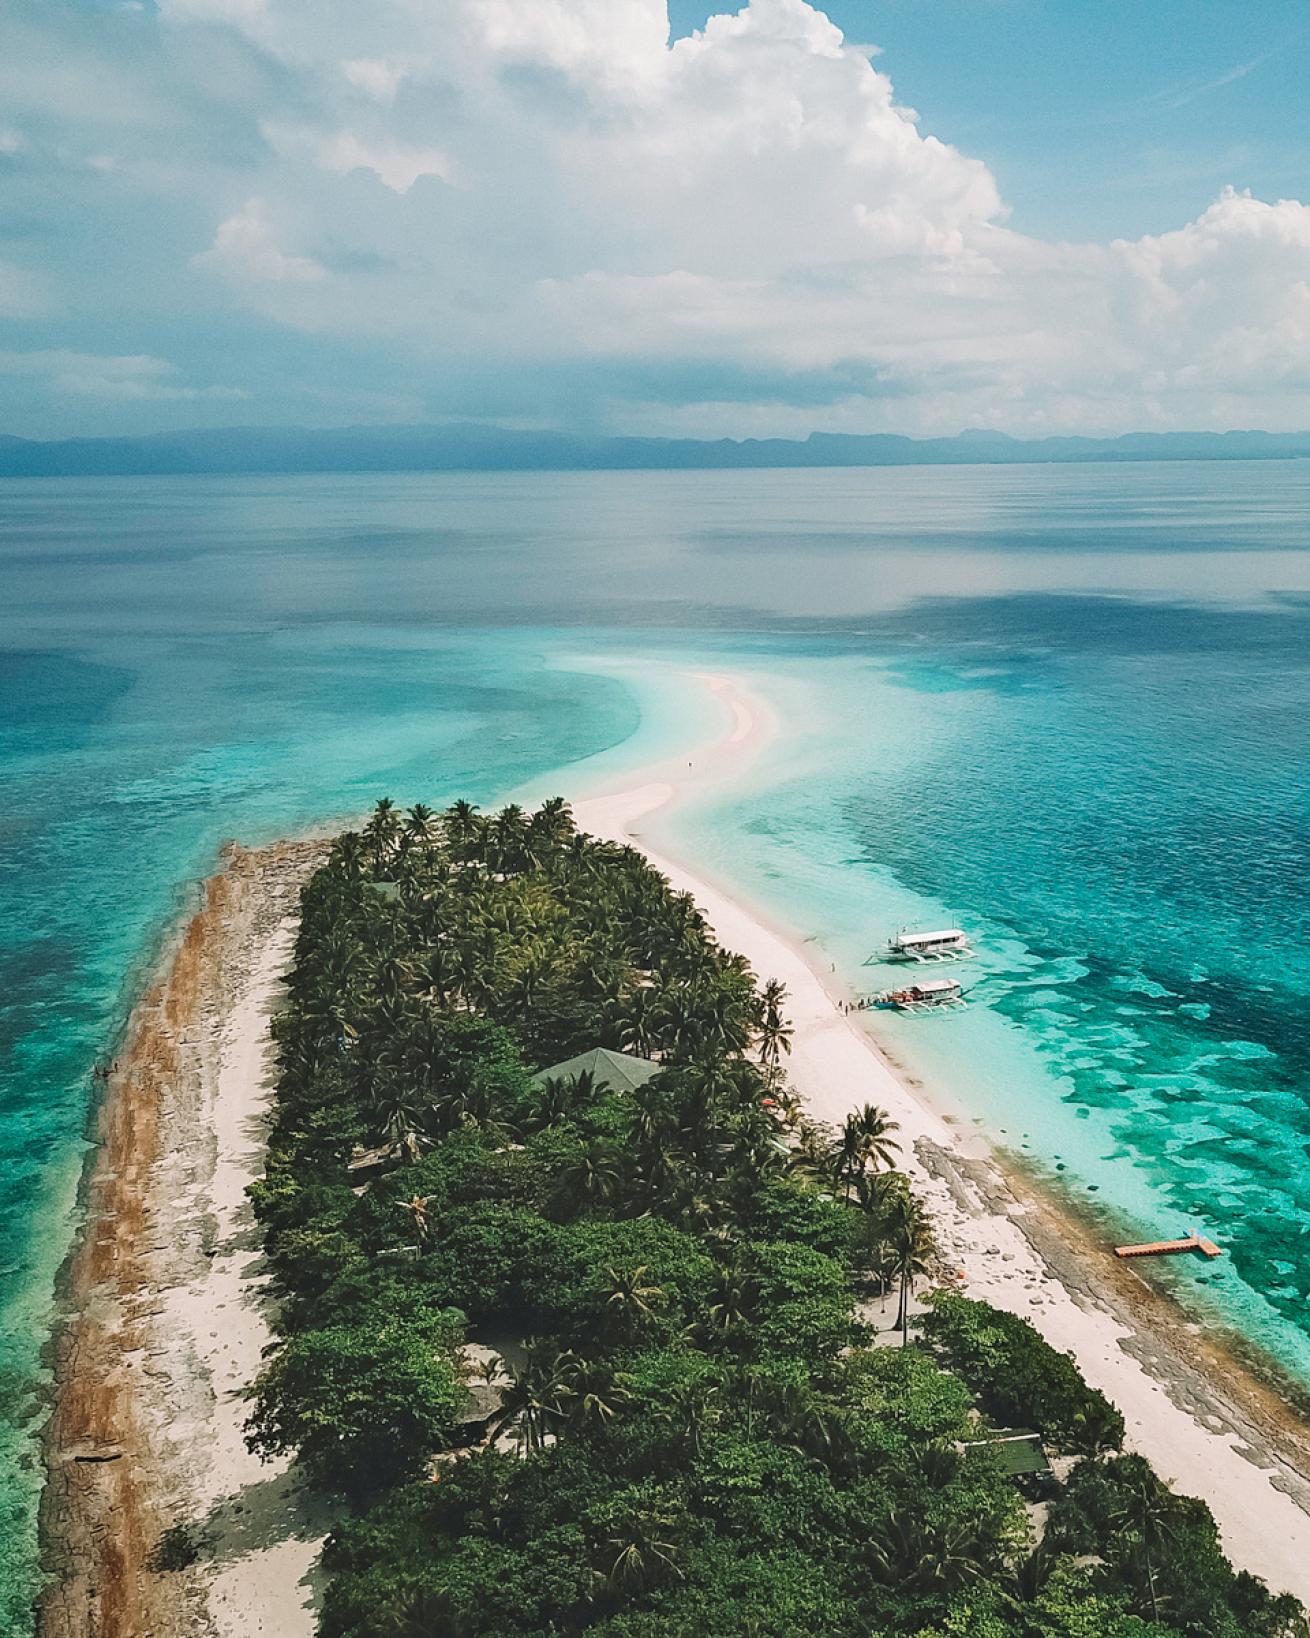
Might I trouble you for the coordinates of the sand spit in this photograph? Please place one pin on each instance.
(1208, 1425)
(165, 1311)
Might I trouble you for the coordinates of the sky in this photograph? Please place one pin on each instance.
(620, 215)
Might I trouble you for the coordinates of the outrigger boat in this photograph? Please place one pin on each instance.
(948, 944)
(927, 996)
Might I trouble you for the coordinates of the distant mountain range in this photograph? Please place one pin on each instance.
(495, 449)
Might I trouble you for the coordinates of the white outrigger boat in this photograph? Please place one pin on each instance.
(929, 995)
(947, 944)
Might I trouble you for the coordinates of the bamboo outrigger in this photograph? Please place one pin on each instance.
(1157, 1248)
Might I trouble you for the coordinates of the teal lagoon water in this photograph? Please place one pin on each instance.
(1068, 706)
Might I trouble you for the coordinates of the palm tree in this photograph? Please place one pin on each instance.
(923, 1555)
(635, 1021)
(538, 1398)
(410, 1610)
(400, 1114)
(348, 855)
(383, 832)
(909, 1241)
(1145, 1509)
(420, 823)
(645, 1549)
(690, 1412)
(812, 1155)
(878, 1148)
(865, 1144)
(463, 825)
(773, 1033)
(591, 1179)
(733, 1302)
(553, 820)
(632, 1302)
(598, 1393)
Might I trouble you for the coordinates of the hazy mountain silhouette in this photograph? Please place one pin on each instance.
(471, 448)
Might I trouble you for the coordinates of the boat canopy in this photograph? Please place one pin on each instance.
(948, 935)
(934, 986)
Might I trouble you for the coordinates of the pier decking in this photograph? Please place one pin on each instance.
(1157, 1248)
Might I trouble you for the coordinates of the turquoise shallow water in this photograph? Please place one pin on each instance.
(1068, 706)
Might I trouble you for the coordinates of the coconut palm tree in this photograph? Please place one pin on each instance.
(909, 1240)
(598, 1393)
(877, 1146)
(553, 821)
(916, 1554)
(400, 1114)
(539, 1396)
(865, 1144)
(1149, 1514)
(645, 1551)
(420, 823)
(589, 1180)
(382, 833)
(773, 1034)
(464, 829)
(691, 1411)
(734, 1301)
(632, 1302)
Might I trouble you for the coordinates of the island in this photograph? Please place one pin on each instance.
(571, 1313)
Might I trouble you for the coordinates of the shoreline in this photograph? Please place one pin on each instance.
(144, 1424)
(163, 1312)
(1207, 1422)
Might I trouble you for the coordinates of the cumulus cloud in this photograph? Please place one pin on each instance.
(245, 247)
(543, 203)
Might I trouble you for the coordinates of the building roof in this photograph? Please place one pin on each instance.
(1018, 1450)
(615, 1071)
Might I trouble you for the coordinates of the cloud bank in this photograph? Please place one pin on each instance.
(544, 211)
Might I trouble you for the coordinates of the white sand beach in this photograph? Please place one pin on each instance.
(190, 1304)
(1196, 1434)
(168, 1303)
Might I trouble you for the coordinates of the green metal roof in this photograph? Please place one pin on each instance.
(1017, 1449)
(616, 1071)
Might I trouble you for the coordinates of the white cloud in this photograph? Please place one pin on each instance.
(633, 228)
(137, 376)
(245, 247)
(395, 166)
(375, 76)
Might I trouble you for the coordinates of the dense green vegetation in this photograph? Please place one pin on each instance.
(691, 1432)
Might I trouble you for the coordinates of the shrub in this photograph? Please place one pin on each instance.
(1018, 1377)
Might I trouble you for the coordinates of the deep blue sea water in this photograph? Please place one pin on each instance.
(1070, 706)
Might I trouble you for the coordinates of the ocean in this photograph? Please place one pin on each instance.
(1067, 707)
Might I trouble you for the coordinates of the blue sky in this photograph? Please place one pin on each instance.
(542, 212)
(1101, 118)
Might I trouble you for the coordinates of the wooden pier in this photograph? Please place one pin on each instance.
(1158, 1248)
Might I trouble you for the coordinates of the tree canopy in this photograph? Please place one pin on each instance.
(684, 1427)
